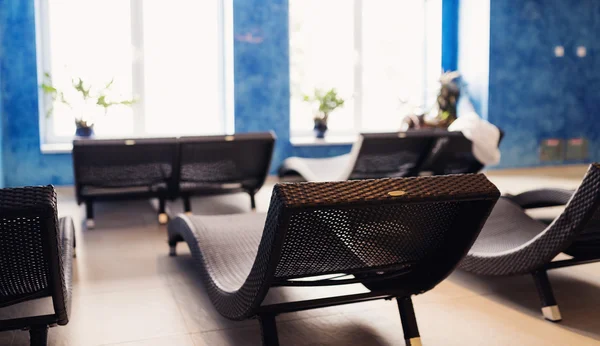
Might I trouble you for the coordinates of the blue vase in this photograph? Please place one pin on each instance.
(84, 132)
(320, 129)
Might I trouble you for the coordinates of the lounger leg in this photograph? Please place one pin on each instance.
(162, 215)
(268, 330)
(252, 200)
(549, 307)
(173, 240)
(38, 336)
(187, 205)
(409, 321)
(89, 214)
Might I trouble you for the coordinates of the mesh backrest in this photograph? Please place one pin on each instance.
(124, 163)
(391, 154)
(452, 153)
(26, 214)
(243, 158)
(373, 230)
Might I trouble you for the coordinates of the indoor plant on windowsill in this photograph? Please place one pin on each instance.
(88, 104)
(328, 102)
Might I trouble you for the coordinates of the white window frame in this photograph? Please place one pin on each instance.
(226, 83)
(358, 74)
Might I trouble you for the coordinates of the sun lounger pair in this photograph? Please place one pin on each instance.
(401, 154)
(169, 168)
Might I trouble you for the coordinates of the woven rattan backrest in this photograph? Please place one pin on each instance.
(580, 221)
(240, 158)
(391, 154)
(27, 230)
(124, 162)
(452, 153)
(380, 225)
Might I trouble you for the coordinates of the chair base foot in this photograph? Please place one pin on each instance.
(414, 342)
(163, 218)
(551, 313)
(172, 251)
(90, 224)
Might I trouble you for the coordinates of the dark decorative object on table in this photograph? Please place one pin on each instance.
(445, 106)
(320, 128)
(84, 128)
(328, 102)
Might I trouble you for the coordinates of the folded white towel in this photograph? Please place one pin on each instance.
(484, 135)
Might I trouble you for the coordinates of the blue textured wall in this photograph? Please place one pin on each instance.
(23, 163)
(534, 95)
(450, 22)
(261, 70)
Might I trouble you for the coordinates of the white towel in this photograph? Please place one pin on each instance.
(485, 136)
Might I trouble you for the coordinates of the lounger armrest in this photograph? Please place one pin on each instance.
(541, 198)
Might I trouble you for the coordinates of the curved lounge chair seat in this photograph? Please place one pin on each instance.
(541, 198)
(319, 169)
(398, 237)
(512, 243)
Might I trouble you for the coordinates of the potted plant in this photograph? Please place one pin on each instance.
(89, 105)
(328, 102)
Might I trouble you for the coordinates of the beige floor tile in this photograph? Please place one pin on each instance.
(121, 317)
(173, 340)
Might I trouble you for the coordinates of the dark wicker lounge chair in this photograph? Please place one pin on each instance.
(124, 169)
(224, 164)
(397, 236)
(512, 243)
(36, 254)
(374, 155)
(452, 153)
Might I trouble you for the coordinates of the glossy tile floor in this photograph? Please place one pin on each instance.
(127, 291)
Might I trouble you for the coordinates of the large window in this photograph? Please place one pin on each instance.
(173, 57)
(380, 55)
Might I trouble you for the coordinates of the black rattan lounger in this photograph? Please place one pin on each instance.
(398, 236)
(224, 164)
(452, 153)
(124, 169)
(512, 243)
(36, 255)
(374, 155)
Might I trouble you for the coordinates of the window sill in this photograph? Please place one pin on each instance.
(312, 141)
(56, 148)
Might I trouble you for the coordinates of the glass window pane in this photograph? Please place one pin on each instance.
(393, 61)
(321, 56)
(182, 73)
(91, 39)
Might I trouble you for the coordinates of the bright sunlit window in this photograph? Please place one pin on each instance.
(170, 56)
(380, 56)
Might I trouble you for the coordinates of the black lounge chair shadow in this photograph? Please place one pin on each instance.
(294, 329)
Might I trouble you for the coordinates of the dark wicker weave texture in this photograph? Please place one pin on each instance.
(124, 163)
(243, 159)
(387, 155)
(23, 266)
(575, 232)
(339, 227)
